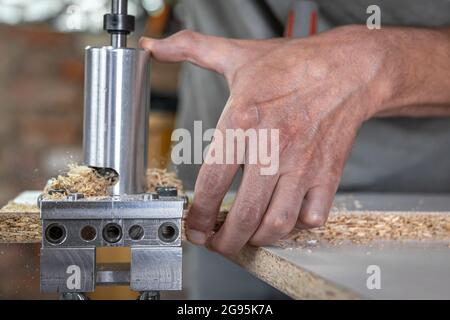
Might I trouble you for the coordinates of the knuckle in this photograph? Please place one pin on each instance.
(313, 220)
(184, 41)
(280, 224)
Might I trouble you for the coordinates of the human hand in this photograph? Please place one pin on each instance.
(316, 92)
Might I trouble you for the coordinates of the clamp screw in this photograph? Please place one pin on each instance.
(75, 196)
(167, 191)
(149, 196)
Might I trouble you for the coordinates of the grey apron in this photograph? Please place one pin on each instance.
(390, 155)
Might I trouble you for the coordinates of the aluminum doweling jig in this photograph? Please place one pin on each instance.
(116, 110)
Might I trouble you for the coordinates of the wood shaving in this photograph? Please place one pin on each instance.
(347, 227)
(85, 180)
(365, 228)
(79, 179)
(21, 222)
(162, 178)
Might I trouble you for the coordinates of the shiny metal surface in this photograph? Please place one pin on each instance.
(119, 6)
(151, 235)
(116, 106)
(20, 280)
(119, 40)
(117, 207)
(136, 221)
(67, 269)
(155, 268)
(113, 274)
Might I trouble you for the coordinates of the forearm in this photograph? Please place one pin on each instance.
(420, 85)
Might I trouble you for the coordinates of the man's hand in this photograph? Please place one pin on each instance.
(317, 92)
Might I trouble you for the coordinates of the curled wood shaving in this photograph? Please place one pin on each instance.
(79, 179)
(85, 180)
(17, 227)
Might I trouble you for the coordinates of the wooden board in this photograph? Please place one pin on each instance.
(320, 270)
(409, 269)
(20, 221)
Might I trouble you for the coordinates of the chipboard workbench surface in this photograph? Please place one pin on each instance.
(403, 269)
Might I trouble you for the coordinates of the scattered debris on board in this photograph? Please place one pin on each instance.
(365, 228)
(358, 227)
(21, 222)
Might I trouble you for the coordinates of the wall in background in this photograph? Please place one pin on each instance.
(41, 103)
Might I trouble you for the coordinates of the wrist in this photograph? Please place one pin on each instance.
(416, 69)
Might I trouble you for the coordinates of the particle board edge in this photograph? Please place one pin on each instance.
(289, 278)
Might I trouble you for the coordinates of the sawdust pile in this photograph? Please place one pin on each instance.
(79, 179)
(21, 222)
(88, 181)
(362, 228)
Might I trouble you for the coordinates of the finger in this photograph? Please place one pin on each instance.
(316, 207)
(211, 186)
(215, 178)
(208, 52)
(246, 214)
(213, 182)
(283, 211)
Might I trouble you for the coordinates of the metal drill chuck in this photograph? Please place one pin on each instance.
(119, 24)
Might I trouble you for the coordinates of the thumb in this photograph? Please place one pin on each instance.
(205, 51)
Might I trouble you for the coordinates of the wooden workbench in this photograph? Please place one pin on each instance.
(408, 269)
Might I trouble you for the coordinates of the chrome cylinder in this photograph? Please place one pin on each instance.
(116, 107)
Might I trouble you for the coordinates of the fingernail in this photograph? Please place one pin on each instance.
(196, 237)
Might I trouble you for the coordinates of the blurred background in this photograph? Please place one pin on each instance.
(41, 108)
(41, 84)
(41, 123)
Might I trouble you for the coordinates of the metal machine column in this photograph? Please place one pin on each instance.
(117, 95)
